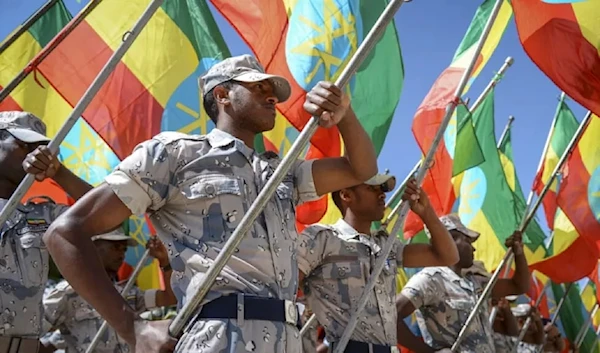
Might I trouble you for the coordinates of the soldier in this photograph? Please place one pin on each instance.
(197, 189)
(78, 322)
(24, 259)
(336, 261)
(444, 297)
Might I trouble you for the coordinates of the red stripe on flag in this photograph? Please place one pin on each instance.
(573, 199)
(9, 104)
(552, 38)
(263, 25)
(570, 265)
(438, 181)
(123, 113)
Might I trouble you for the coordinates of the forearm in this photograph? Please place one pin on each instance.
(71, 183)
(77, 260)
(167, 297)
(441, 241)
(511, 325)
(359, 147)
(408, 339)
(521, 277)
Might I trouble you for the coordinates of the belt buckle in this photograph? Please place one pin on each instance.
(291, 313)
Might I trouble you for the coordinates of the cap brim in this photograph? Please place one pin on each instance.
(381, 179)
(282, 87)
(116, 237)
(28, 136)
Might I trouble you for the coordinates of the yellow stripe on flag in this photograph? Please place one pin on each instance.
(564, 233)
(161, 43)
(588, 145)
(496, 32)
(586, 14)
(17, 56)
(149, 277)
(488, 248)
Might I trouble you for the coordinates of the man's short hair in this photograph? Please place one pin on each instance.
(210, 104)
(337, 200)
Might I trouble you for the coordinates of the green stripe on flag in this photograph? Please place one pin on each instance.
(50, 23)
(467, 151)
(375, 100)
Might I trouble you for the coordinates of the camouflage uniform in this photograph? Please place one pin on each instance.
(337, 262)
(79, 322)
(505, 344)
(197, 189)
(443, 301)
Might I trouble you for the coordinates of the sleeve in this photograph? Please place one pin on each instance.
(56, 308)
(144, 300)
(311, 249)
(304, 183)
(421, 290)
(399, 252)
(143, 180)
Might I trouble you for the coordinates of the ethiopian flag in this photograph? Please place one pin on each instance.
(16, 58)
(534, 235)
(438, 180)
(153, 88)
(308, 41)
(579, 194)
(563, 128)
(562, 37)
(487, 203)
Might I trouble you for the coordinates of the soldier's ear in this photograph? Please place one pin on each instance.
(345, 195)
(221, 95)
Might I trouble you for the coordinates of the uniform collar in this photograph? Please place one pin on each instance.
(347, 233)
(219, 138)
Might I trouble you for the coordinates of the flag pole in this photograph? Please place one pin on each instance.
(85, 100)
(124, 291)
(6, 91)
(581, 334)
(179, 322)
(493, 82)
(558, 307)
(524, 223)
(25, 27)
(527, 323)
(596, 340)
(389, 243)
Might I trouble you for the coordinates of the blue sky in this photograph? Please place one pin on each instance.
(429, 35)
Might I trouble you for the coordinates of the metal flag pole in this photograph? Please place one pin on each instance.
(25, 27)
(85, 100)
(525, 222)
(6, 91)
(126, 289)
(493, 82)
(311, 320)
(561, 302)
(596, 340)
(581, 334)
(180, 321)
(387, 247)
(529, 320)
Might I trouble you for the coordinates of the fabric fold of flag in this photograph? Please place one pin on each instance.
(563, 128)
(563, 39)
(429, 115)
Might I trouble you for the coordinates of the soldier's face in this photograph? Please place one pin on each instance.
(112, 253)
(465, 247)
(253, 105)
(12, 155)
(368, 201)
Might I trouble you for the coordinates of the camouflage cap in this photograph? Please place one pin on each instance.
(243, 68)
(386, 181)
(521, 310)
(23, 126)
(116, 235)
(452, 222)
